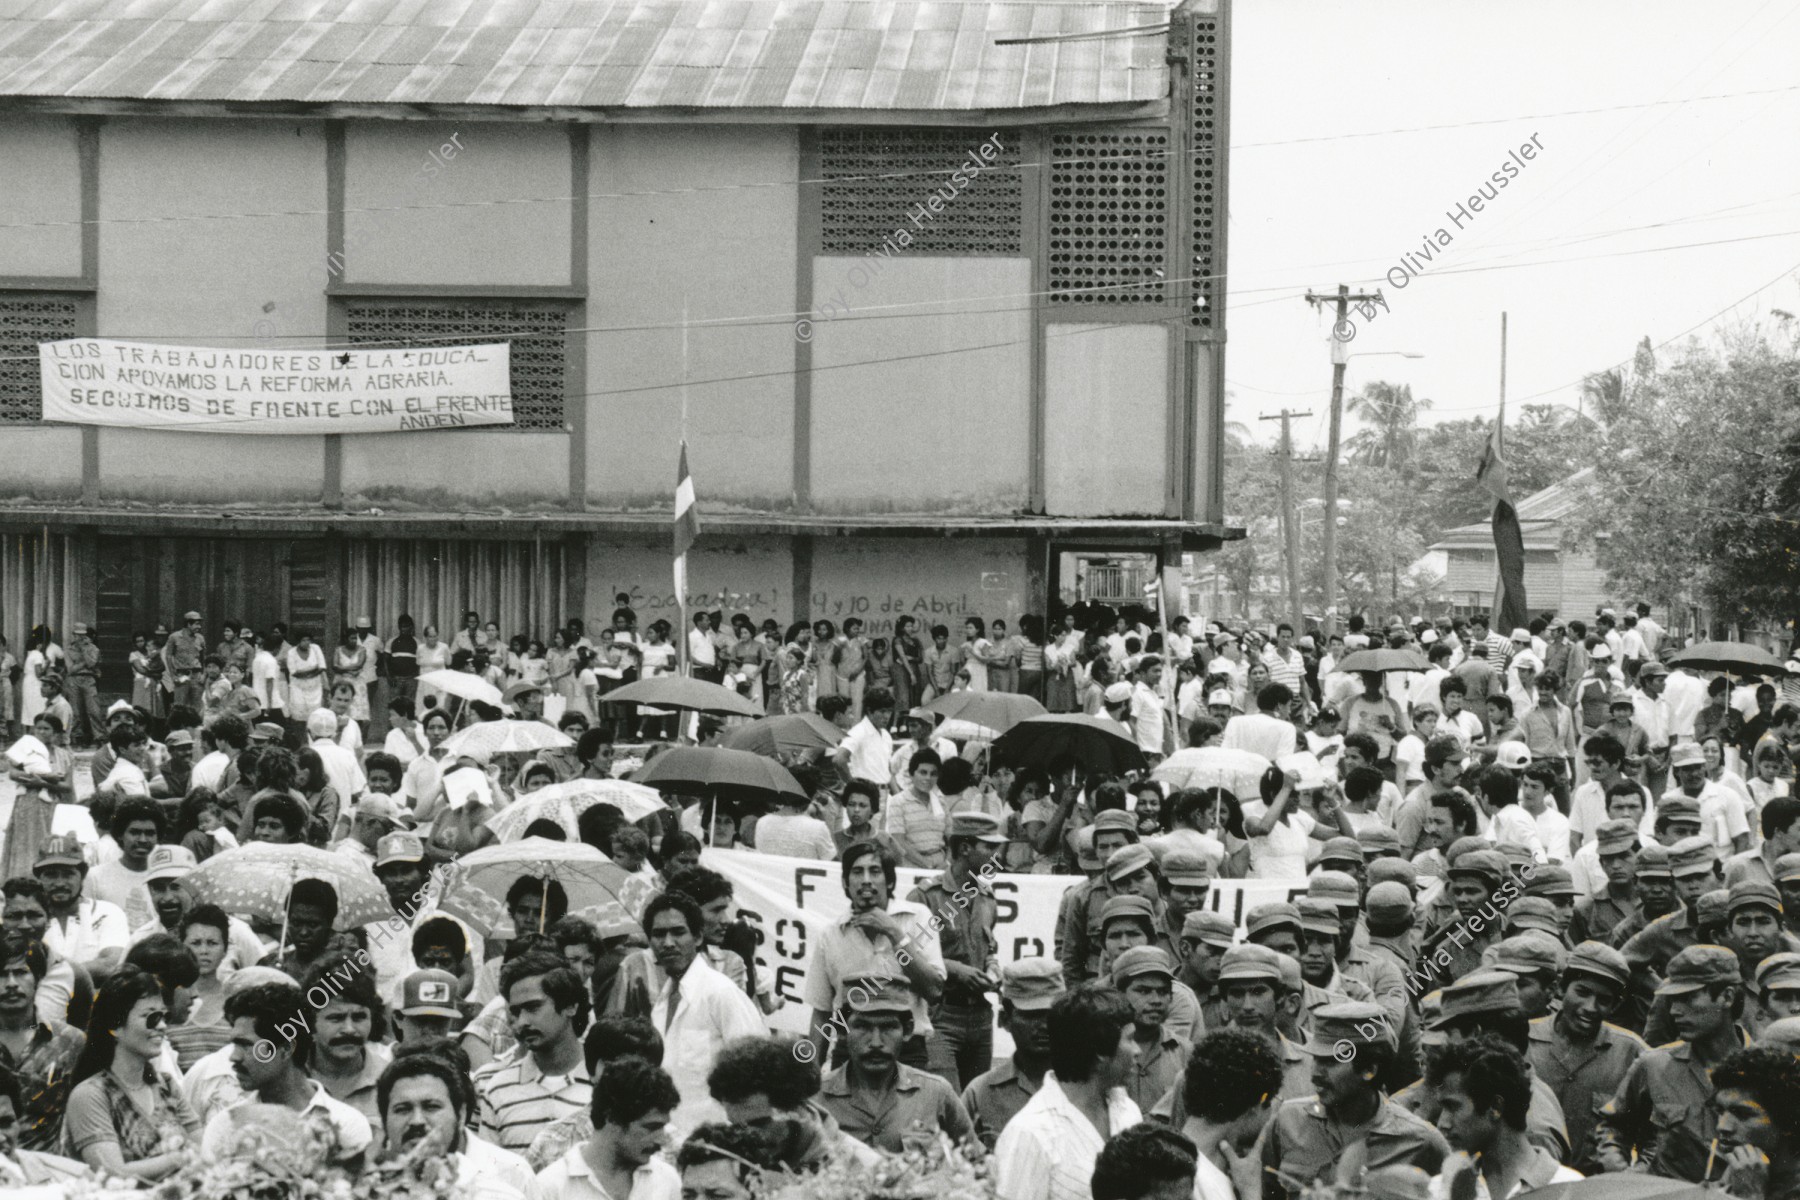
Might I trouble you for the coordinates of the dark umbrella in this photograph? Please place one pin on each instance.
(1097, 744)
(682, 691)
(1383, 660)
(788, 733)
(699, 768)
(1735, 658)
(998, 711)
(1627, 1186)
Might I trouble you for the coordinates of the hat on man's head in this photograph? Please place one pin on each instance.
(1688, 754)
(1513, 756)
(1463, 845)
(169, 862)
(1522, 635)
(1692, 856)
(1653, 861)
(399, 847)
(1551, 880)
(880, 994)
(1601, 961)
(119, 706)
(983, 827)
(1116, 818)
(192, 616)
(1318, 916)
(1128, 860)
(1220, 696)
(267, 731)
(1340, 850)
(1714, 908)
(60, 851)
(1032, 984)
(1334, 887)
(1390, 903)
(1085, 858)
(1141, 960)
(1292, 978)
(1250, 961)
(1376, 838)
(364, 623)
(1126, 906)
(1533, 912)
(1393, 870)
(1787, 868)
(1214, 929)
(521, 688)
(1478, 993)
(1275, 915)
(1528, 954)
(1652, 668)
(1778, 971)
(79, 627)
(1117, 693)
(1517, 855)
(429, 993)
(1754, 893)
(1189, 870)
(1617, 837)
(178, 738)
(376, 804)
(1349, 1023)
(1678, 808)
(1697, 968)
(1483, 863)
(322, 723)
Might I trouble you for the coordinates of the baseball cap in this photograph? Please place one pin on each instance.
(1753, 893)
(117, 707)
(1393, 870)
(1601, 652)
(1699, 967)
(1191, 870)
(1334, 887)
(429, 993)
(1128, 860)
(169, 862)
(1126, 906)
(267, 731)
(364, 623)
(883, 995)
(1250, 961)
(1390, 902)
(1521, 635)
(1376, 838)
(1617, 837)
(1215, 929)
(1687, 754)
(983, 827)
(1341, 849)
(1692, 856)
(1602, 961)
(1483, 991)
(1653, 860)
(399, 847)
(60, 851)
(1353, 1022)
(1652, 668)
(1032, 984)
(1272, 916)
(1117, 693)
(1513, 756)
(1142, 960)
(192, 616)
(1219, 696)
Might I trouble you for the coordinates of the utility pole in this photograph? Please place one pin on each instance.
(1290, 522)
(1342, 331)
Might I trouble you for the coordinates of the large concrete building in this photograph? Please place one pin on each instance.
(676, 212)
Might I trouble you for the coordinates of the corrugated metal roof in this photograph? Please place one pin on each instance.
(892, 55)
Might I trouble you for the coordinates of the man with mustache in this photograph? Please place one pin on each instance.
(423, 1112)
(40, 1053)
(548, 1077)
(346, 1031)
(1028, 988)
(631, 1107)
(267, 1048)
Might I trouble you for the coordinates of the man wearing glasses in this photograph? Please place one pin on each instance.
(185, 653)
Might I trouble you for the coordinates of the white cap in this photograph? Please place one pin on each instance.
(1219, 696)
(1427, 637)
(1526, 658)
(1118, 693)
(322, 723)
(1521, 635)
(1513, 756)
(1602, 652)
(117, 707)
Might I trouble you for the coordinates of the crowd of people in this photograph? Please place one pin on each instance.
(1531, 913)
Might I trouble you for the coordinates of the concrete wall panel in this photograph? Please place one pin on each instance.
(40, 196)
(1106, 420)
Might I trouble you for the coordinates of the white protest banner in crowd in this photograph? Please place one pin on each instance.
(97, 381)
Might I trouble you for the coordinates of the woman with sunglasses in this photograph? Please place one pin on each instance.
(124, 1116)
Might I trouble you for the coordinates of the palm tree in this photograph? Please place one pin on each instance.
(1393, 418)
(1603, 396)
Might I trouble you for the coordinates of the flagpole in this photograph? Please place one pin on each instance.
(682, 666)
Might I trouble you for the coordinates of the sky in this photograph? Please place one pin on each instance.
(1355, 127)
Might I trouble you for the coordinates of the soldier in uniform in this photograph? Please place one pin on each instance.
(1787, 878)
(1093, 846)
(1753, 932)
(1391, 918)
(1348, 1125)
(1577, 1052)
(1660, 1119)
(1129, 921)
(1596, 917)
(1655, 894)
(1777, 990)
(1781, 836)
(876, 1098)
(962, 1022)
(1533, 914)
(1320, 927)
(1027, 990)
(1554, 884)
(1358, 962)
(1535, 962)
(1145, 975)
(1186, 880)
(1129, 870)
(1478, 879)
(1440, 907)
(1256, 999)
(1205, 937)
(1694, 864)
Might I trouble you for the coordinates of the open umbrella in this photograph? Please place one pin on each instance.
(1239, 772)
(487, 738)
(565, 802)
(1383, 660)
(959, 730)
(1734, 658)
(787, 733)
(476, 884)
(1096, 743)
(999, 711)
(462, 685)
(681, 691)
(1628, 1186)
(256, 879)
(699, 768)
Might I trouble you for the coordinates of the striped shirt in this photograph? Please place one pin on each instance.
(1047, 1152)
(917, 827)
(1290, 671)
(517, 1100)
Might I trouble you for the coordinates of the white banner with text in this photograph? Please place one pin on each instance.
(98, 381)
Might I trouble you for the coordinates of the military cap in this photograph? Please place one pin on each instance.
(1116, 818)
(1032, 983)
(1272, 916)
(1517, 855)
(1141, 960)
(1484, 863)
(1393, 870)
(1292, 979)
(1787, 868)
(1318, 916)
(983, 827)
(1191, 870)
(1128, 860)
(1678, 808)
(1390, 903)
(1754, 893)
(1250, 961)
(1334, 887)
(1778, 971)
(1601, 961)
(1215, 929)
(1347, 1025)
(1551, 880)
(1534, 912)
(1341, 849)
(1127, 906)
(1697, 968)
(1692, 856)
(1528, 954)
(880, 995)
(1653, 860)
(1617, 837)
(1714, 908)
(1376, 838)
(1463, 845)
(1479, 992)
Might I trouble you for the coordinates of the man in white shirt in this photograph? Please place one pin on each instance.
(1512, 825)
(1264, 732)
(425, 1107)
(1048, 1151)
(697, 1010)
(225, 737)
(867, 751)
(342, 770)
(120, 882)
(265, 679)
(703, 655)
(1723, 820)
(263, 1020)
(633, 1101)
(1648, 630)
(1484, 1088)
(1233, 1084)
(85, 931)
(1149, 719)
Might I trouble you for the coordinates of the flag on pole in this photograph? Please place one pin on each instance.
(1510, 611)
(687, 528)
